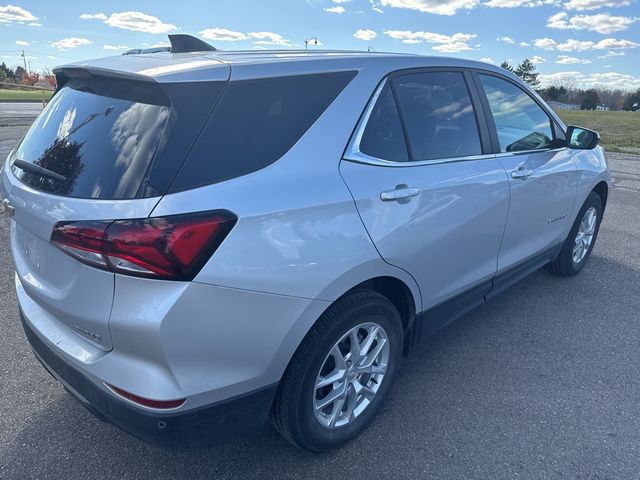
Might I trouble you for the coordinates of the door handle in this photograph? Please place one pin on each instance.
(521, 173)
(403, 193)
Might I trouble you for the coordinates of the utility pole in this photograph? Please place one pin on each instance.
(309, 40)
(24, 60)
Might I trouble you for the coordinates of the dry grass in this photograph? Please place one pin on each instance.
(619, 131)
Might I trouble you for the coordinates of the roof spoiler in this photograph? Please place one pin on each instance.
(66, 72)
(183, 43)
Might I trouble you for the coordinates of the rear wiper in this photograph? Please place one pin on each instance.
(32, 168)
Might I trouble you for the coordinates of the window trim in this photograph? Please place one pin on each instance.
(353, 154)
(493, 130)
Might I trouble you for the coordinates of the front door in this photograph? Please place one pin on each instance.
(542, 177)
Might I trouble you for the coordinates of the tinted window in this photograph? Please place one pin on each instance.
(255, 123)
(102, 137)
(98, 139)
(438, 115)
(520, 122)
(383, 137)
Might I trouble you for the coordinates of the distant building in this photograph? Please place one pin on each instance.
(602, 108)
(563, 106)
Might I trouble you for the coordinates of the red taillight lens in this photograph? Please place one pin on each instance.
(174, 247)
(147, 402)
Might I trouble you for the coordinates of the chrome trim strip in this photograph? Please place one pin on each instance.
(359, 157)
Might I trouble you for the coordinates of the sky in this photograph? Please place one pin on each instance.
(589, 42)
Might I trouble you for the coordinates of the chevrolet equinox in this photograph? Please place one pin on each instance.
(206, 240)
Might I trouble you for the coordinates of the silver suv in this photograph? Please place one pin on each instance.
(207, 240)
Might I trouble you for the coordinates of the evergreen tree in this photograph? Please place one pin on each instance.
(527, 72)
(506, 66)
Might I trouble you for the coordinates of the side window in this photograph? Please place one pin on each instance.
(520, 122)
(255, 123)
(438, 115)
(383, 136)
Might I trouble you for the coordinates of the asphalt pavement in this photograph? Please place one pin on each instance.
(541, 383)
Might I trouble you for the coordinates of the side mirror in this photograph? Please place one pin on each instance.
(582, 138)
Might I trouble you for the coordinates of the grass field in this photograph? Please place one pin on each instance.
(619, 131)
(22, 95)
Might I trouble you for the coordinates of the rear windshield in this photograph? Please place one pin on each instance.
(99, 138)
(255, 123)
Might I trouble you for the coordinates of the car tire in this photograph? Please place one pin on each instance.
(575, 251)
(297, 413)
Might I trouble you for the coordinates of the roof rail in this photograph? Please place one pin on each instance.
(183, 43)
(135, 51)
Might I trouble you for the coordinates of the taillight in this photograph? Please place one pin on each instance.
(174, 247)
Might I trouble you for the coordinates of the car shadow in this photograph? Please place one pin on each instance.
(546, 370)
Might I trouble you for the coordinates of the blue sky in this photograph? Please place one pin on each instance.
(591, 42)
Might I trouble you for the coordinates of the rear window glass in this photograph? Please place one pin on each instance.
(95, 139)
(109, 138)
(255, 123)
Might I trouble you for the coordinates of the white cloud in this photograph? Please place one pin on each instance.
(537, 59)
(609, 80)
(337, 9)
(545, 43)
(260, 38)
(573, 45)
(222, 34)
(342, 1)
(518, 3)
(567, 60)
(71, 42)
(116, 47)
(11, 13)
(581, 46)
(612, 54)
(453, 47)
(525, 44)
(505, 40)
(487, 60)
(442, 43)
(366, 35)
(34, 24)
(438, 7)
(269, 38)
(22, 43)
(594, 4)
(93, 16)
(139, 22)
(601, 23)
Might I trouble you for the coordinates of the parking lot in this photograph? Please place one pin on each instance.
(542, 382)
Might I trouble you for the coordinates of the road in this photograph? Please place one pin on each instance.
(541, 383)
(18, 113)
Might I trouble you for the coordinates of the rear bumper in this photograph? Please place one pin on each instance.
(203, 426)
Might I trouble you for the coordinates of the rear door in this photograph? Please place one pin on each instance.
(432, 199)
(89, 156)
(542, 177)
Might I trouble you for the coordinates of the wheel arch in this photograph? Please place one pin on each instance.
(602, 189)
(393, 283)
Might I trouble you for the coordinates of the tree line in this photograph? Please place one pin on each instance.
(565, 91)
(20, 76)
